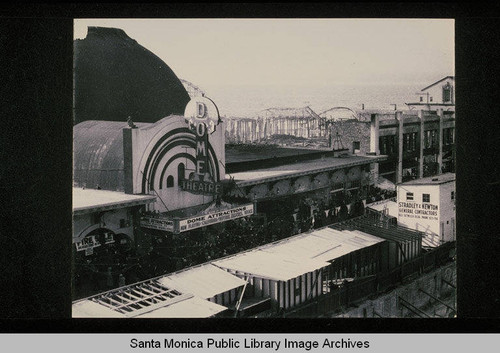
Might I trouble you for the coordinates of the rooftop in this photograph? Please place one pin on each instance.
(297, 255)
(205, 281)
(146, 299)
(301, 168)
(91, 200)
(432, 180)
(243, 153)
(435, 83)
(389, 205)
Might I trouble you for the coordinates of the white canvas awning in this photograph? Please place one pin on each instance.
(295, 256)
(190, 308)
(88, 308)
(205, 281)
(271, 265)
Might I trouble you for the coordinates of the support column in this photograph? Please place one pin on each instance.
(374, 134)
(374, 141)
(440, 140)
(421, 147)
(399, 173)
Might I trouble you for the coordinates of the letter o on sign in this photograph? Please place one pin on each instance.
(200, 129)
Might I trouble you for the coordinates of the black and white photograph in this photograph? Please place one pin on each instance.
(264, 168)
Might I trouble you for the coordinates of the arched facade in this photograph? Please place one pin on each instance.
(163, 154)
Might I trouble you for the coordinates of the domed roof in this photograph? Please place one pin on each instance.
(115, 78)
(98, 155)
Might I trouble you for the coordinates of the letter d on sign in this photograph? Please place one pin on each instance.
(201, 110)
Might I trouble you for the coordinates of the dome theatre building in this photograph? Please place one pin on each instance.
(153, 193)
(149, 178)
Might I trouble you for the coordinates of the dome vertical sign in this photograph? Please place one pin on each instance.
(203, 117)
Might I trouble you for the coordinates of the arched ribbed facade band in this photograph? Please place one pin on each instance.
(185, 137)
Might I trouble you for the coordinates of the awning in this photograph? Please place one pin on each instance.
(92, 200)
(205, 281)
(298, 255)
(190, 308)
(88, 308)
(270, 266)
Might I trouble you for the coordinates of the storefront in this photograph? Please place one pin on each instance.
(104, 241)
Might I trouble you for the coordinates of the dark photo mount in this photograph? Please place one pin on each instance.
(36, 179)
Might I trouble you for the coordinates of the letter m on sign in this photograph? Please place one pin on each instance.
(202, 152)
(201, 148)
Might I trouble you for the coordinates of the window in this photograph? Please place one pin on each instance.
(421, 98)
(180, 173)
(453, 195)
(447, 93)
(409, 196)
(431, 138)
(426, 198)
(410, 142)
(430, 99)
(170, 181)
(448, 136)
(387, 144)
(356, 145)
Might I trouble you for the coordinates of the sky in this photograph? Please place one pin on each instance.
(295, 52)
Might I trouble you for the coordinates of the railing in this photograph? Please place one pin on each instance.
(341, 297)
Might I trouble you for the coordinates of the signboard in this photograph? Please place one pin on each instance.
(201, 187)
(203, 119)
(157, 223)
(417, 210)
(90, 242)
(216, 217)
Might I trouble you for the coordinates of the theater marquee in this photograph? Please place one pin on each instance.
(216, 217)
(179, 225)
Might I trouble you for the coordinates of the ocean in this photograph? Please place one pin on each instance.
(249, 100)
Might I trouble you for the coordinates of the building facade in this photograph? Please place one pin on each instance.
(428, 205)
(440, 94)
(417, 145)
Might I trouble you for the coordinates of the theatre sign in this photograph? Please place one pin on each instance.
(203, 118)
(216, 217)
(179, 225)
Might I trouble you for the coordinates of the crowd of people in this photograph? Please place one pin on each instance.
(112, 266)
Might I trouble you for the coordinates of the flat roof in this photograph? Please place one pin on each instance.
(391, 206)
(379, 229)
(88, 308)
(149, 298)
(205, 281)
(266, 265)
(243, 153)
(301, 168)
(91, 200)
(188, 308)
(298, 255)
(432, 180)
